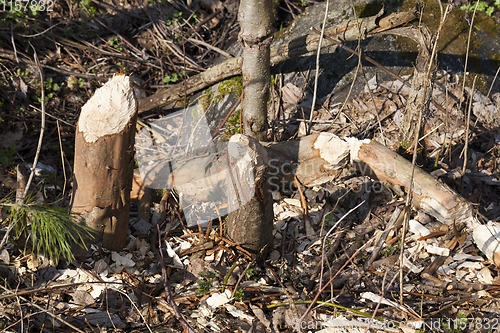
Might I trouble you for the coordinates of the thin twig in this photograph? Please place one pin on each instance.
(208, 46)
(62, 158)
(168, 295)
(42, 127)
(466, 145)
(317, 68)
(467, 55)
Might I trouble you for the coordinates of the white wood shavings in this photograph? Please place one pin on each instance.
(484, 276)
(219, 299)
(354, 146)
(372, 84)
(440, 251)
(438, 173)
(486, 238)
(171, 253)
(461, 274)
(446, 270)
(470, 265)
(332, 149)
(277, 208)
(109, 110)
(238, 313)
(293, 202)
(465, 256)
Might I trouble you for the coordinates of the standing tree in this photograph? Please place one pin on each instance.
(252, 223)
(255, 18)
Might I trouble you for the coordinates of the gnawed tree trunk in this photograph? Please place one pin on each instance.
(231, 181)
(255, 36)
(104, 160)
(250, 221)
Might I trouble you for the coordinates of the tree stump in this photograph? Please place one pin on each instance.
(104, 160)
(250, 221)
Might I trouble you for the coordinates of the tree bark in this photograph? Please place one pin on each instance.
(103, 170)
(255, 18)
(421, 85)
(250, 221)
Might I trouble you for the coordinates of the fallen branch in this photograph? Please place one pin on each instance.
(346, 31)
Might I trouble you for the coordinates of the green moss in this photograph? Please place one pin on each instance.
(234, 120)
(481, 84)
(404, 146)
(234, 84)
(488, 25)
(206, 99)
(453, 38)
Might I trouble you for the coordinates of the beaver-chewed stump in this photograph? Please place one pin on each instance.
(104, 160)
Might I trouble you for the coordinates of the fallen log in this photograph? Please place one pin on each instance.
(346, 31)
(318, 158)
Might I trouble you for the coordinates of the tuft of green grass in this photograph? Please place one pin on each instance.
(239, 295)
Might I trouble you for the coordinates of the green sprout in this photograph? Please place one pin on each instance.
(205, 283)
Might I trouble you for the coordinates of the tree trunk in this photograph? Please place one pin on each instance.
(103, 170)
(250, 221)
(421, 85)
(231, 181)
(255, 36)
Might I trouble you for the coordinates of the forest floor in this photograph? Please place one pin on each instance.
(449, 285)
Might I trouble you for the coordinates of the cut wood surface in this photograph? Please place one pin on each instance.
(103, 169)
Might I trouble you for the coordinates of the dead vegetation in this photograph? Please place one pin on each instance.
(336, 245)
